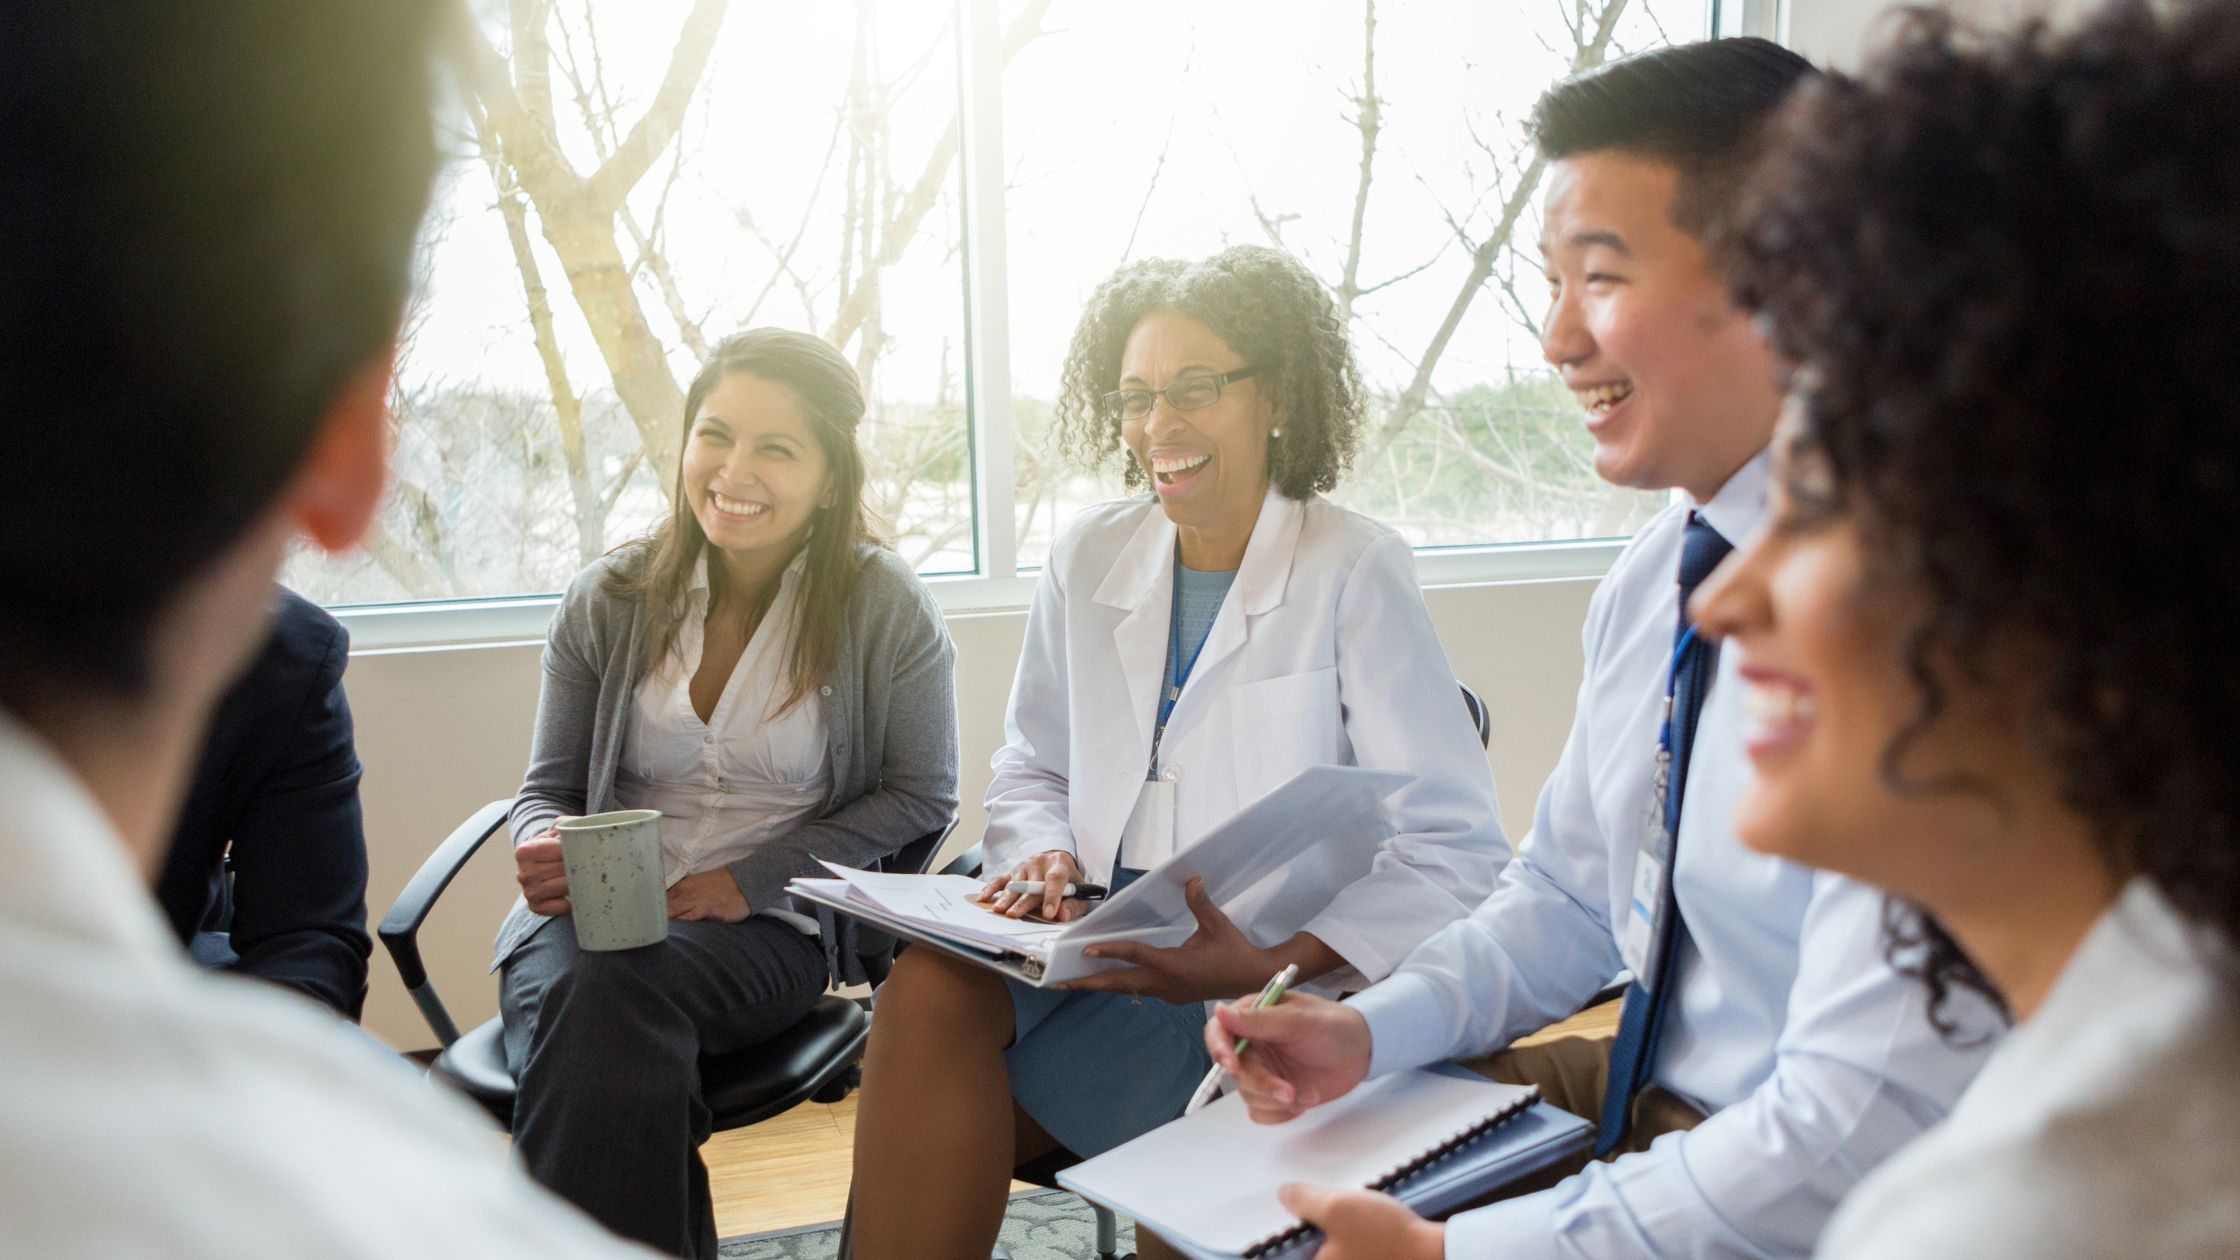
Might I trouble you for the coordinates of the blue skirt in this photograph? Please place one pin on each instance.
(1096, 1069)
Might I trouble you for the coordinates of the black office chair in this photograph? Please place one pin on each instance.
(814, 1059)
(1479, 717)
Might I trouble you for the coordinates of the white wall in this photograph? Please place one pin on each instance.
(442, 731)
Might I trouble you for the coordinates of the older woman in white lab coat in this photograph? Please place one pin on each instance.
(1186, 653)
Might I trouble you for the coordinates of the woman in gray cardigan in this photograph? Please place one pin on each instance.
(779, 686)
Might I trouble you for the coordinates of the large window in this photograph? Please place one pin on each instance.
(633, 180)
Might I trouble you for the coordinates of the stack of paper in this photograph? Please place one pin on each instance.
(942, 903)
(1335, 808)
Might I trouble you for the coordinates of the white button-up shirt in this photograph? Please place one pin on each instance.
(726, 785)
(2107, 1125)
(1816, 1059)
(150, 1109)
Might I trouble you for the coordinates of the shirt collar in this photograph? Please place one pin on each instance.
(1262, 576)
(68, 871)
(1740, 505)
(2139, 944)
(698, 588)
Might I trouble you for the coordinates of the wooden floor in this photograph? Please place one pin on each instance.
(794, 1170)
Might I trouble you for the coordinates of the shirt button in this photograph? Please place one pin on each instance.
(824, 691)
(1171, 773)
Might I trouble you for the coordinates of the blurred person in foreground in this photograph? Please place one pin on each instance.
(209, 211)
(1988, 633)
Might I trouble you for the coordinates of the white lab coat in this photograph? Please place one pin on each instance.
(1323, 654)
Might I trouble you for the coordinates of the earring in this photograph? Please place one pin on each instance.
(1276, 432)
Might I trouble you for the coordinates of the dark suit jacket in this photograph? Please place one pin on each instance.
(279, 779)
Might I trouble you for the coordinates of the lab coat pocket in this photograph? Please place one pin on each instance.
(1281, 726)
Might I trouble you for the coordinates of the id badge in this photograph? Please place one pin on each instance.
(1148, 838)
(1641, 911)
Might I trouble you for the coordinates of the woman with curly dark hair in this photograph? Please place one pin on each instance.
(1989, 633)
(1188, 650)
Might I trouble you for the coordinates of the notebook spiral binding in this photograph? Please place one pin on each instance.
(1393, 1180)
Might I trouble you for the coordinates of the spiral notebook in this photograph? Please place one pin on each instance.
(1434, 1137)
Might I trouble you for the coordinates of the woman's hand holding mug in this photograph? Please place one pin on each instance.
(541, 871)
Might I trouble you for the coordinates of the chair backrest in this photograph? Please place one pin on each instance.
(876, 949)
(917, 856)
(968, 862)
(1479, 717)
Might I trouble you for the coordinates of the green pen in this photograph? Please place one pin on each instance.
(1270, 994)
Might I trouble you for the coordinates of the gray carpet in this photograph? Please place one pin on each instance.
(1039, 1225)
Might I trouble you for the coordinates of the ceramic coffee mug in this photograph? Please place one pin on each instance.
(614, 879)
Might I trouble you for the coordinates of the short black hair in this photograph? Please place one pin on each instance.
(2008, 266)
(1695, 107)
(207, 215)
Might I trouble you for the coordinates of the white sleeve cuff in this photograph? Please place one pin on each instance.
(1407, 1027)
(1515, 1229)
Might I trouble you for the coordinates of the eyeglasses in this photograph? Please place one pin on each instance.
(1188, 394)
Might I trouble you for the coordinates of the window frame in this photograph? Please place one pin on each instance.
(998, 584)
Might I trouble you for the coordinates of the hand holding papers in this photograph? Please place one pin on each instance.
(1321, 805)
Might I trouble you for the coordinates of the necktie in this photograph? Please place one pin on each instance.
(1643, 1018)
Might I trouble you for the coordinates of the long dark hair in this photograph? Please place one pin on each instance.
(831, 395)
(2011, 266)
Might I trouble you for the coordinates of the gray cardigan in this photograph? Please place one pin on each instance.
(890, 722)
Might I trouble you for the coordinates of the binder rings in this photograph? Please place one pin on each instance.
(1435, 1138)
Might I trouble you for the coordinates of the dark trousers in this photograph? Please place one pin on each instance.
(606, 1050)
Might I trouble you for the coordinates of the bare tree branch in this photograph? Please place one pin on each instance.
(656, 261)
(1481, 265)
(1589, 53)
(784, 255)
(911, 208)
(655, 128)
(532, 61)
(597, 109)
(1409, 274)
(1368, 119)
(402, 563)
(1151, 185)
(1519, 310)
(532, 149)
(567, 407)
(577, 215)
(1272, 225)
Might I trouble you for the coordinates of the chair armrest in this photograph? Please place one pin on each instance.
(400, 928)
(968, 862)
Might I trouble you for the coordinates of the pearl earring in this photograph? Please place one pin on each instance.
(1276, 432)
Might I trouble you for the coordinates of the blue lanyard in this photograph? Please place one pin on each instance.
(1662, 785)
(1672, 690)
(1178, 670)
